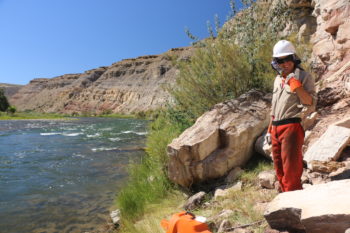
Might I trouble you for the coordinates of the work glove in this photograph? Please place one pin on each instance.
(268, 138)
(293, 81)
(289, 77)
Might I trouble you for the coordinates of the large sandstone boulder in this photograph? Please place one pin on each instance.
(220, 140)
(317, 209)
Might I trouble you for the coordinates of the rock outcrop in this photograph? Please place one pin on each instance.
(317, 209)
(219, 141)
(331, 40)
(128, 86)
(10, 89)
(330, 145)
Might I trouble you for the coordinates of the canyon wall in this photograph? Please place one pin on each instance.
(129, 86)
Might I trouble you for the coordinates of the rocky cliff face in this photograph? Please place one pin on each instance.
(10, 89)
(128, 86)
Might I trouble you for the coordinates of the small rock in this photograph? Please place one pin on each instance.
(115, 216)
(317, 180)
(340, 174)
(324, 166)
(224, 192)
(267, 179)
(347, 230)
(233, 175)
(194, 201)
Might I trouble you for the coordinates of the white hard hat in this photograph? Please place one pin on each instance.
(283, 48)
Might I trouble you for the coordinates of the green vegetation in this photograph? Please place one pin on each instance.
(233, 60)
(213, 74)
(243, 203)
(4, 104)
(28, 115)
(11, 110)
(116, 115)
(147, 180)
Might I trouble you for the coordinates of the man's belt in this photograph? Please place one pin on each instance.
(286, 121)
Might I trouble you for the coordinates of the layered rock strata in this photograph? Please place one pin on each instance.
(10, 89)
(128, 86)
(220, 140)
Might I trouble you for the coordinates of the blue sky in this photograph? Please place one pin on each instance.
(48, 38)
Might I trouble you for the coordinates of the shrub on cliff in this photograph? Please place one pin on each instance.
(212, 75)
(4, 104)
(237, 60)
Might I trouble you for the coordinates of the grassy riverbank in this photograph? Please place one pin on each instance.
(246, 205)
(32, 116)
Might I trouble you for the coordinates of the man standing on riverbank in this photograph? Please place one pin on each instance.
(293, 90)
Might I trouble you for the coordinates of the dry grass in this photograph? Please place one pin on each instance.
(150, 222)
(246, 206)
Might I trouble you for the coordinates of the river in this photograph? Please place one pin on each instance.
(63, 176)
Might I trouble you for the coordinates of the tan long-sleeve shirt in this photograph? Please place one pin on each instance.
(285, 103)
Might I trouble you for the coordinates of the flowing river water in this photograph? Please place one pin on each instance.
(63, 176)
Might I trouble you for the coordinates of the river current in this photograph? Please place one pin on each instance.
(63, 176)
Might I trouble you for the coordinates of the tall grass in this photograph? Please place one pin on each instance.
(148, 182)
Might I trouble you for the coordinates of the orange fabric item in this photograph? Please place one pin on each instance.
(184, 222)
(294, 84)
(287, 141)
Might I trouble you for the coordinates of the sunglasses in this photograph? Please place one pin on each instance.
(283, 60)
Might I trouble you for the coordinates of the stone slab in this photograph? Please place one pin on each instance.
(329, 146)
(317, 209)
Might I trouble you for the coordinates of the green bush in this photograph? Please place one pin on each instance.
(212, 75)
(220, 71)
(11, 110)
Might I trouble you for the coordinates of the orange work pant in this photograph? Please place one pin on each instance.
(287, 141)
